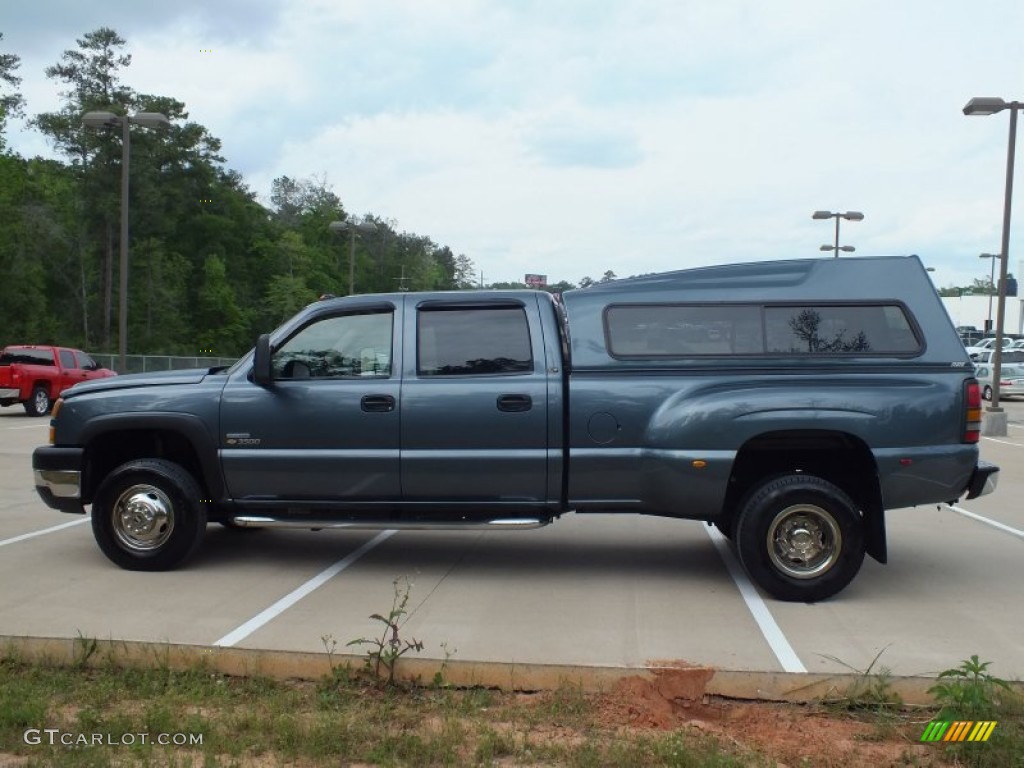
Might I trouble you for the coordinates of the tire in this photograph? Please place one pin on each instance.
(987, 392)
(148, 515)
(800, 538)
(39, 404)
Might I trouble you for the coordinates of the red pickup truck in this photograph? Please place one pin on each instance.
(35, 376)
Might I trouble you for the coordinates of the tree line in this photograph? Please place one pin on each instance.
(210, 267)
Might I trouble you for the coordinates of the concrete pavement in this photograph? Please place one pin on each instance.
(597, 592)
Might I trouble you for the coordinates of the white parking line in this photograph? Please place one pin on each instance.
(987, 521)
(758, 609)
(1004, 442)
(31, 426)
(295, 595)
(32, 535)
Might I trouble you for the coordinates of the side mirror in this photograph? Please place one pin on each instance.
(261, 361)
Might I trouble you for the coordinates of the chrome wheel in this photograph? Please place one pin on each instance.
(142, 518)
(38, 403)
(804, 541)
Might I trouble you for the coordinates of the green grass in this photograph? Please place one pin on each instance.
(347, 718)
(342, 719)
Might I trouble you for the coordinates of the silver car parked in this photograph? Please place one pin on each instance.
(1011, 380)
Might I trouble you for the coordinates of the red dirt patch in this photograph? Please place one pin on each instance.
(789, 733)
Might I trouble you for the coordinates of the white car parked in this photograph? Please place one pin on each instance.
(1010, 355)
(1011, 380)
(987, 343)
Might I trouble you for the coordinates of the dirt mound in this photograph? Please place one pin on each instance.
(675, 697)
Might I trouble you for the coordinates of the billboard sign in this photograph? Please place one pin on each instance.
(536, 281)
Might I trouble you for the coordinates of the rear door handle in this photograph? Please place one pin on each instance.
(514, 403)
(378, 403)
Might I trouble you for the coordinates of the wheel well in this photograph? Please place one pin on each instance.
(842, 459)
(112, 449)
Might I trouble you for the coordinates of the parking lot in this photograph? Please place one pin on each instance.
(597, 591)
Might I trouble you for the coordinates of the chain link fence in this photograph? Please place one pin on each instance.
(146, 363)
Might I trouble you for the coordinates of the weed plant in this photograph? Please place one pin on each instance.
(971, 692)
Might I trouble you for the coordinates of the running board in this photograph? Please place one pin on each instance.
(507, 523)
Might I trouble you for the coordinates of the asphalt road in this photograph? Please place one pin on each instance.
(616, 590)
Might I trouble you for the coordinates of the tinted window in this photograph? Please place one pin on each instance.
(67, 358)
(654, 330)
(478, 340)
(338, 347)
(681, 331)
(838, 330)
(27, 357)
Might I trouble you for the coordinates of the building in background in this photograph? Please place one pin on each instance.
(973, 310)
(976, 309)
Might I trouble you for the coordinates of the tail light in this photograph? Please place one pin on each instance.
(972, 412)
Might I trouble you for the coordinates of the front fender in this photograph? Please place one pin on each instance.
(189, 426)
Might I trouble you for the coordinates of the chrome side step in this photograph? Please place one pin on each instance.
(506, 523)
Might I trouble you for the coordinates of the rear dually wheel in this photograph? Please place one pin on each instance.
(800, 538)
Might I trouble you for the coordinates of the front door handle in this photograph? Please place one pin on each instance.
(514, 403)
(378, 403)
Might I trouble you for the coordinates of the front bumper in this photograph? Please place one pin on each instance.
(984, 480)
(58, 477)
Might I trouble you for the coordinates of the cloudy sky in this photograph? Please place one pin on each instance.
(569, 137)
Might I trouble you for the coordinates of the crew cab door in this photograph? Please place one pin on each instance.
(326, 427)
(474, 403)
(68, 372)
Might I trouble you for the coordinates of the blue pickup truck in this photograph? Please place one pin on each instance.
(787, 403)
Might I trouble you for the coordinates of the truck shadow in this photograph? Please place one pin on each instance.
(545, 551)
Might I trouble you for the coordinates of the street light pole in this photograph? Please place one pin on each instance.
(122, 293)
(991, 286)
(849, 216)
(990, 106)
(351, 227)
(351, 261)
(110, 120)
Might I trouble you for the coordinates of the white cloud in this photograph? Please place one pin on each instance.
(635, 135)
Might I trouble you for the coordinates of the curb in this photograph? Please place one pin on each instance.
(672, 679)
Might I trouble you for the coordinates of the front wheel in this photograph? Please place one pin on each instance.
(148, 515)
(800, 538)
